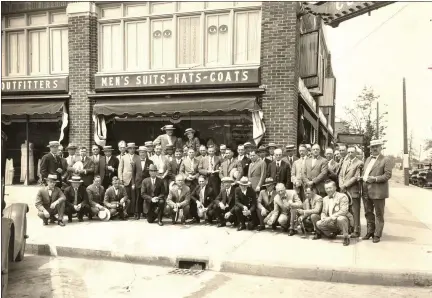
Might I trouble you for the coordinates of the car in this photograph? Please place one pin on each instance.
(424, 179)
(413, 177)
(14, 227)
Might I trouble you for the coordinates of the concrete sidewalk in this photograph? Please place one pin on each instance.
(403, 257)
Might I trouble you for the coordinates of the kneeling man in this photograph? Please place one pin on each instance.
(178, 200)
(266, 201)
(246, 205)
(95, 195)
(76, 199)
(202, 198)
(334, 214)
(310, 214)
(50, 201)
(225, 203)
(116, 199)
(153, 192)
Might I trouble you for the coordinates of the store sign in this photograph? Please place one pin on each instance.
(186, 78)
(39, 85)
(354, 139)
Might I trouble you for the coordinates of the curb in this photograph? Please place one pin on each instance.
(341, 275)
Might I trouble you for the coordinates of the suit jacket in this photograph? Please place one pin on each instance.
(43, 200)
(265, 200)
(382, 170)
(317, 174)
(227, 166)
(142, 173)
(89, 168)
(223, 198)
(176, 142)
(96, 194)
(204, 164)
(128, 168)
(313, 205)
(49, 165)
(348, 176)
(257, 173)
(82, 198)
(99, 165)
(297, 171)
(195, 144)
(245, 162)
(113, 162)
(162, 163)
(282, 205)
(148, 191)
(110, 196)
(333, 169)
(209, 195)
(340, 207)
(249, 200)
(186, 167)
(65, 174)
(281, 175)
(183, 199)
(287, 160)
(174, 168)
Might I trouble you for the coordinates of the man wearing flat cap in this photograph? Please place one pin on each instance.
(51, 162)
(50, 201)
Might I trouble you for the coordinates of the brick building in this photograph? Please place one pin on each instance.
(109, 71)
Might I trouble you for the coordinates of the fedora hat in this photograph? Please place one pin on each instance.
(142, 148)
(131, 145)
(189, 130)
(269, 181)
(227, 179)
(107, 148)
(72, 146)
(289, 147)
(262, 149)
(376, 143)
(52, 177)
(53, 144)
(244, 181)
(104, 214)
(152, 168)
(168, 127)
(247, 144)
(148, 144)
(75, 178)
(271, 145)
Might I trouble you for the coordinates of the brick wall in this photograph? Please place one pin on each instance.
(279, 61)
(82, 67)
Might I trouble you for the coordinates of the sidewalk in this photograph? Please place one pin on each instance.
(404, 257)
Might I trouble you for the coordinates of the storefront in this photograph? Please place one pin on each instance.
(307, 116)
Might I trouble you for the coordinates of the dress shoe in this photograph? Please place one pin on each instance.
(332, 236)
(368, 236)
(80, 219)
(274, 227)
(317, 236)
(260, 228)
(376, 239)
(241, 227)
(45, 222)
(346, 241)
(136, 216)
(355, 235)
(160, 223)
(69, 220)
(52, 220)
(90, 217)
(195, 220)
(61, 223)
(291, 232)
(222, 224)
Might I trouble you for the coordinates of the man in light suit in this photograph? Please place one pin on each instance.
(297, 172)
(334, 214)
(50, 201)
(209, 167)
(168, 138)
(142, 172)
(310, 214)
(72, 158)
(348, 183)
(162, 163)
(116, 200)
(87, 173)
(279, 170)
(229, 165)
(96, 195)
(378, 171)
(257, 171)
(128, 173)
(178, 200)
(122, 150)
(265, 201)
(189, 169)
(99, 161)
(153, 193)
(315, 171)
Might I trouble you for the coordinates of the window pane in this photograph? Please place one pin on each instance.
(136, 44)
(162, 7)
(15, 53)
(163, 48)
(39, 19)
(191, 6)
(3, 55)
(111, 45)
(111, 12)
(189, 40)
(136, 10)
(211, 5)
(247, 37)
(16, 22)
(38, 54)
(59, 17)
(59, 50)
(218, 40)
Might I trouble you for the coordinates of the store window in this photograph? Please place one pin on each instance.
(189, 41)
(247, 38)
(162, 44)
(35, 44)
(110, 54)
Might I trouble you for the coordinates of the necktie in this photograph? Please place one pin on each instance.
(227, 193)
(211, 163)
(76, 196)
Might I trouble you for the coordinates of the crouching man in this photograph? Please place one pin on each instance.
(246, 205)
(95, 195)
(178, 200)
(50, 201)
(225, 203)
(334, 214)
(76, 199)
(310, 214)
(116, 200)
(153, 194)
(286, 203)
(266, 201)
(202, 203)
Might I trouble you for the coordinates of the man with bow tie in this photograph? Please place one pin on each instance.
(116, 200)
(315, 171)
(279, 170)
(209, 167)
(153, 193)
(51, 163)
(377, 173)
(77, 200)
(50, 201)
(225, 202)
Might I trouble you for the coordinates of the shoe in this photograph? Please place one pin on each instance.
(317, 236)
(45, 222)
(222, 224)
(274, 227)
(376, 239)
(160, 223)
(241, 227)
(52, 220)
(90, 217)
(136, 216)
(69, 220)
(346, 241)
(291, 232)
(355, 235)
(195, 220)
(61, 223)
(332, 236)
(368, 236)
(80, 219)
(260, 228)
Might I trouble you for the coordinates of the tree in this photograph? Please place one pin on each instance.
(362, 119)
(428, 144)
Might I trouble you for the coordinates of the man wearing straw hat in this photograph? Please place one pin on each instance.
(112, 165)
(51, 163)
(153, 193)
(50, 201)
(72, 158)
(225, 203)
(76, 199)
(127, 171)
(116, 200)
(246, 205)
(192, 141)
(168, 138)
(95, 195)
(150, 148)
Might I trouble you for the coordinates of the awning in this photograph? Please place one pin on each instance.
(131, 107)
(32, 107)
(310, 119)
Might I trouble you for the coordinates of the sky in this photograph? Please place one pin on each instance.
(401, 47)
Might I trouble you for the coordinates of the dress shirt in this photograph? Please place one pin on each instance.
(202, 194)
(369, 167)
(50, 192)
(143, 164)
(240, 157)
(314, 159)
(76, 196)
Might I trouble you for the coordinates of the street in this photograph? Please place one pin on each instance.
(39, 276)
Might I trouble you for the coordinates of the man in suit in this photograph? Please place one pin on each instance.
(64, 181)
(122, 150)
(209, 167)
(279, 170)
(153, 192)
(116, 200)
(248, 147)
(51, 163)
(174, 165)
(265, 201)
(72, 158)
(178, 200)
(263, 154)
(230, 165)
(225, 202)
(271, 149)
(315, 171)
(162, 163)
(257, 171)
(99, 161)
(349, 183)
(87, 173)
(76, 200)
(332, 165)
(111, 166)
(243, 160)
(297, 172)
(202, 197)
(337, 156)
(245, 205)
(286, 203)
(168, 138)
(222, 150)
(142, 172)
(290, 156)
(127, 171)
(310, 213)
(334, 214)
(50, 201)
(169, 152)
(192, 141)
(189, 168)
(378, 171)
(96, 195)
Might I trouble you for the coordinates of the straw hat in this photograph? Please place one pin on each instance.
(76, 178)
(289, 147)
(168, 127)
(227, 179)
(53, 144)
(148, 144)
(376, 143)
(52, 177)
(142, 148)
(244, 181)
(271, 145)
(107, 148)
(104, 214)
(130, 145)
(269, 181)
(189, 130)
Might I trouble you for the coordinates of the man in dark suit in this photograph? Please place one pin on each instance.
(98, 161)
(77, 200)
(279, 170)
(174, 165)
(116, 200)
(243, 160)
(50, 201)
(378, 171)
(153, 193)
(225, 203)
(202, 197)
(209, 167)
(290, 156)
(315, 171)
(265, 203)
(111, 166)
(51, 162)
(87, 173)
(246, 204)
(142, 172)
(264, 154)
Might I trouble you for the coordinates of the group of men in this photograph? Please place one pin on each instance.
(184, 180)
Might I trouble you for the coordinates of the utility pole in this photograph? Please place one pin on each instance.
(420, 154)
(405, 136)
(377, 122)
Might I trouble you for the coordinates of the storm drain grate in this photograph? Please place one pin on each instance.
(190, 272)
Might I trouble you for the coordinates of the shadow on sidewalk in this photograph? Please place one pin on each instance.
(387, 237)
(410, 223)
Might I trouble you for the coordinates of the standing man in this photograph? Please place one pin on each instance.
(116, 200)
(271, 149)
(333, 166)
(222, 150)
(178, 200)
(122, 150)
(209, 167)
(263, 154)
(297, 172)
(378, 171)
(168, 138)
(128, 173)
(150, 148)
(243, 160)
(99, 161)
(257, 171)
(162, 164)
(174, 165)
(337, 156)
(76, 200)
(279, 170)
(169, 152)
(142, 173)
(87, 173)
(315, 171)
(290, 156)
(202, 152)
(349, 183)
(192, 141)
(50, 201)
(111, 164)
(248, 147)
(72, 158)
(229, 165)
(51, 163)
(189, 169)
(153, 192)
(246, 204)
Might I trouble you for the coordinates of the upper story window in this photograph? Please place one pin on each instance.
(137, 36)
(35, 44)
